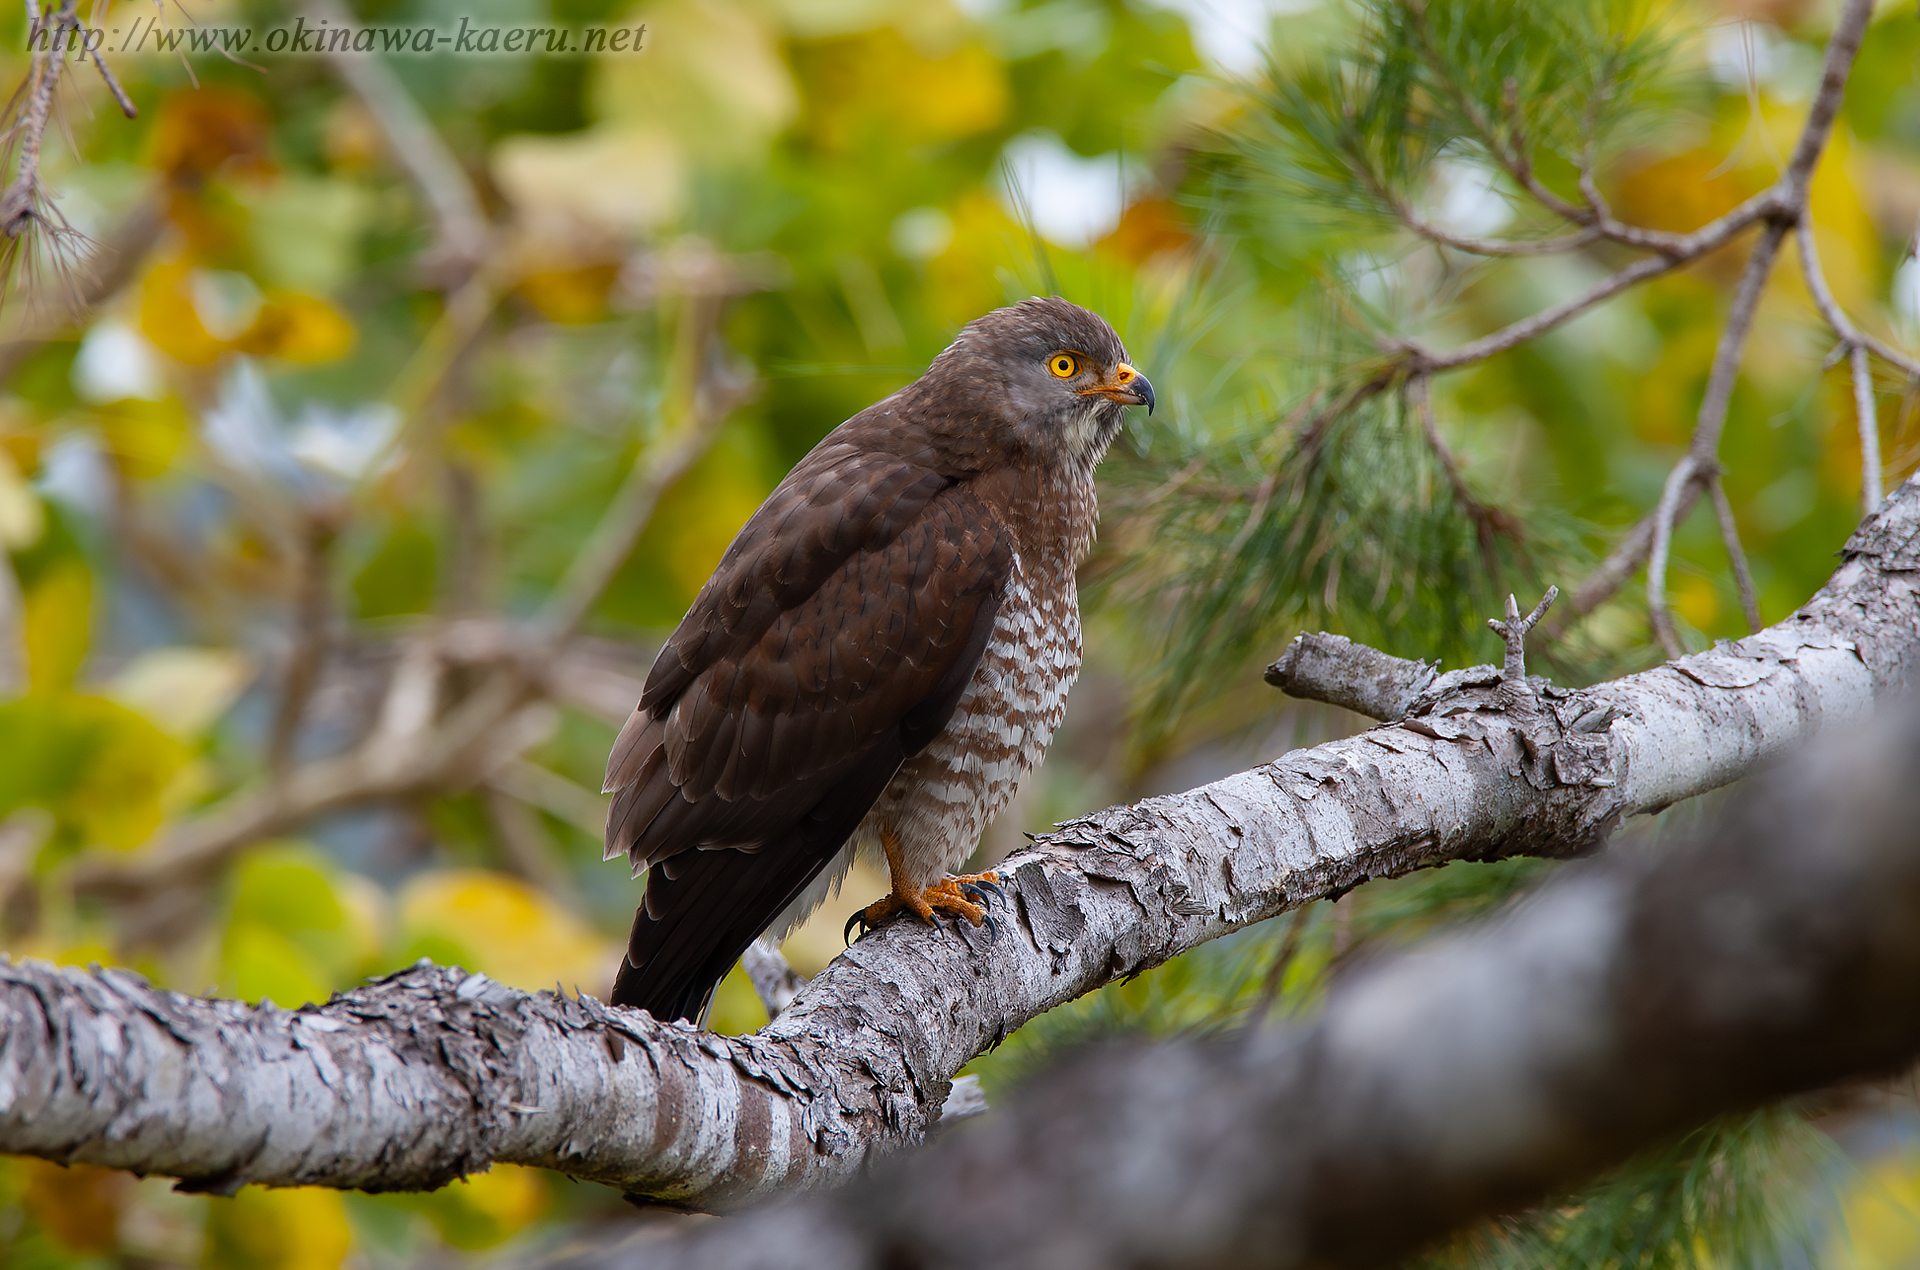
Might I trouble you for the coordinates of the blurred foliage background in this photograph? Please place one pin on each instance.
(297, 448)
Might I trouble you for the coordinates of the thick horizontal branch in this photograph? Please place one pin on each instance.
(433, 1074)
(1628, 1001)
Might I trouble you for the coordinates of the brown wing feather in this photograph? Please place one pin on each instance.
(842, 498)
(760, 728)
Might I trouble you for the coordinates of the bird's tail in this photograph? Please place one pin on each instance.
(704, 907)
(702, 910)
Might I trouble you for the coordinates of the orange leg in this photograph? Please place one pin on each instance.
(957, 895)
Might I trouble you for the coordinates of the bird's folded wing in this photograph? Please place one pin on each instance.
(791, 672)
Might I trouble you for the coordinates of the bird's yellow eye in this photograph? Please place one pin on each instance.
(1064, 365)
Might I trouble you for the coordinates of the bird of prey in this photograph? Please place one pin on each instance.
(881, 655)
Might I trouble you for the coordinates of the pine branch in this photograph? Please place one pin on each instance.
(1480, 1071)
(1784, 204)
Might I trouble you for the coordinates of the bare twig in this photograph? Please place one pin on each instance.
(1836, 317)
(1513, 633)
(13, 641)
(1664, 518)
(420, 744)
(776, 982)
(546, 789)
(652, 473)
(91, 50)
(1275, 978)
(427, 370)
(1488, 520)
(1856, 344)
(1708, 238)
(461, 228)
(115, 260)
(1868, 421)
(525, 844)
(49, 37)
(1842, 47)
(1701, 462)
(311, 612)
(1426, 229)
(1331, 668)
(1736, 555)
(1501, 247)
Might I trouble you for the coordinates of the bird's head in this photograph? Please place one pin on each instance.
(1044, 377)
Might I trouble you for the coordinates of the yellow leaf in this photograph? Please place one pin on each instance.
(1880, 1219)
(502, 927)
(182, 690)
(127, 787)
(570, 295)
(737, 1009)
(169, 319)
(78, 1205)
(715, 500)
(145, 436)
(721, 94)
(609, 182)
(259, 962)
(100, 768)
(22, 519)
(1696, 599)
(58, 625)
(298, 927)
(297, 328)
(300, 1229)
(486, 1208)
(877, 86)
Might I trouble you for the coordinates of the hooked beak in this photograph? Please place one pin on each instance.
(1128, 387)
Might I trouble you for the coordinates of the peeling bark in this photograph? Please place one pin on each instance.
(1627, 1001)
(433, 1073)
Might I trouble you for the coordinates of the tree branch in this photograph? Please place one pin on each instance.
(1334, 669)
(461, 228)
(654, 472)
(1665, 519)
(1868, 421)
(1736, 555)
(433, 1073)
(1513, 632)
(774, 981)
(1780, 205)
(312, 609)
(1701, 463)
(1626, 1002)
(1488, 520)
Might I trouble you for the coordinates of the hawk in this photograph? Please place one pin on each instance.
(881, 655)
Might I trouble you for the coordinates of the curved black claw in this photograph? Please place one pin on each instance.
(993, 927)
(858, 919)
(977, 892)
(990, 885)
